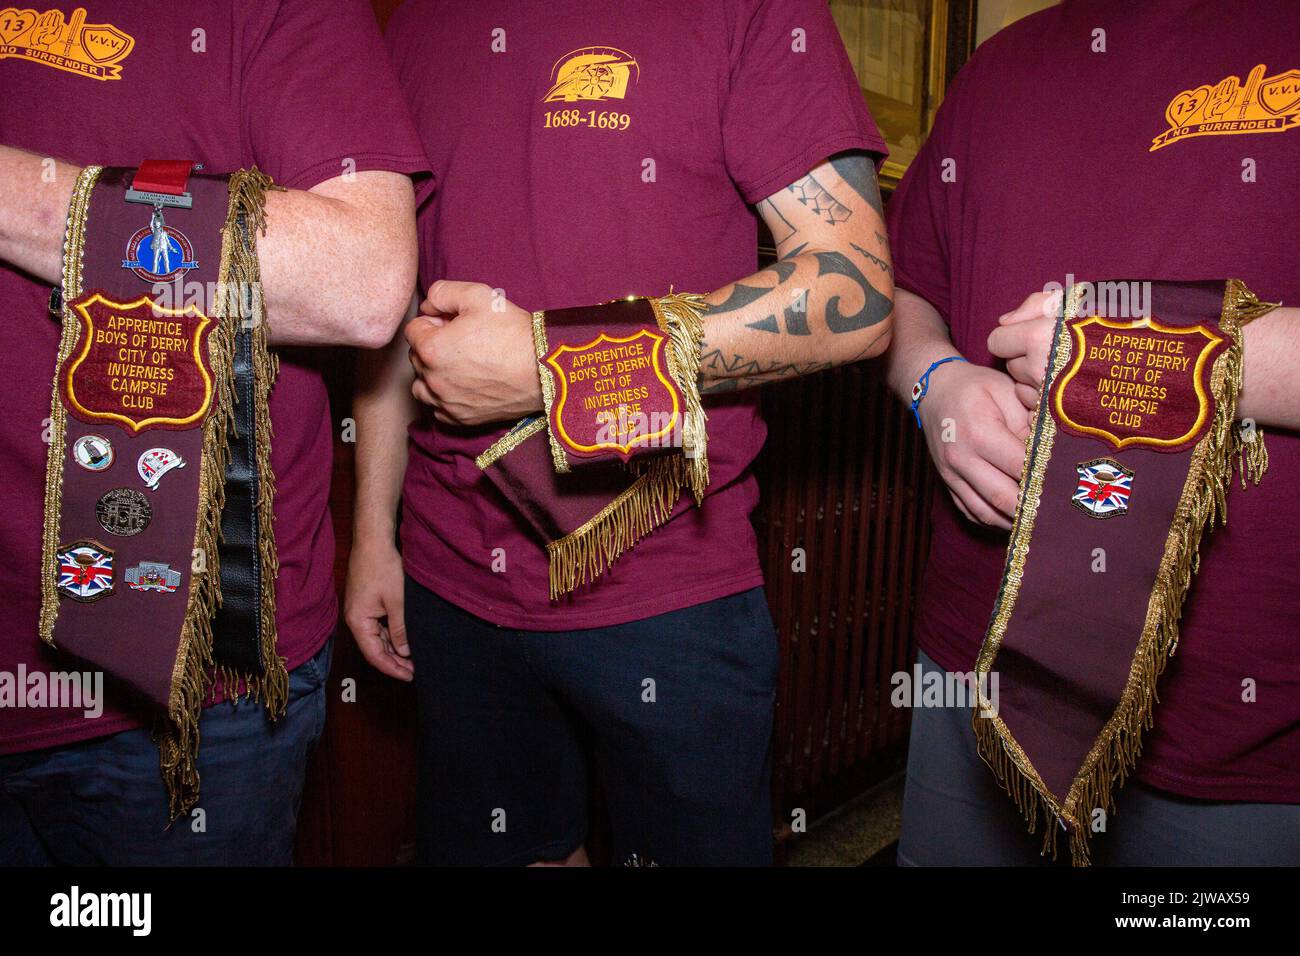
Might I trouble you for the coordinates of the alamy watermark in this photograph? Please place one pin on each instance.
(66, 690)
(966, 690)
(1110, 300)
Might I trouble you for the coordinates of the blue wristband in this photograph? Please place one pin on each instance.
(923, 385)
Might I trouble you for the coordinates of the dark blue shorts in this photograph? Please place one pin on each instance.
(675, 713)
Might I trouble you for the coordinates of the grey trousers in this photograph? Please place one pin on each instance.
(955, 814)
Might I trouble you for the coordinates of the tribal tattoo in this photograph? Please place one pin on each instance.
(780, 226)
(743, 295)
(873, 258)
(816, 197)
(859, 172)
(875, 305)
(741, 372)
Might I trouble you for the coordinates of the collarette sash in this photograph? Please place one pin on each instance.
(1130, 458)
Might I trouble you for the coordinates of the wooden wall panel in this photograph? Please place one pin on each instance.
(842, 526)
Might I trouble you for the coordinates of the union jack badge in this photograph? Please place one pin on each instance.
(155, 463)
(1104, 486)
(85, 571)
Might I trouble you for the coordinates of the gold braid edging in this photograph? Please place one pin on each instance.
(584, 553)
(541, 348)
(74, 250)
(999, 749)
(508, 442)
(681, 316)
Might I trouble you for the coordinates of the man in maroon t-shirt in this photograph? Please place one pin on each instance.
(310, 99)
(1075, 143)
(586, 151)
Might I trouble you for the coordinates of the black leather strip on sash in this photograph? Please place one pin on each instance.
(237, 627)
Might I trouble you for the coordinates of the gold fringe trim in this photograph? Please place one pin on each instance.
(583, 554)
(1248, 446)
(508, 442)
(542, 349)
(178, 737)
(74, 250)
(681, 315)
(998, 748)
(1203, 502)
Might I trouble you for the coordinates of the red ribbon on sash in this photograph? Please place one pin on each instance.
(170, 176)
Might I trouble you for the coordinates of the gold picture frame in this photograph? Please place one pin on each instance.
(905, 53)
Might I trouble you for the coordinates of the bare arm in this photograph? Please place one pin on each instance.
(34, 197)
(1270, 394)
(920, 338)
(315, 292)
(338, 261)
(374, 603)
(975, 426)
(826, 301)
(383, 408)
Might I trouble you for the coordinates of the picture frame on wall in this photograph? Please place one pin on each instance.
(905, 53)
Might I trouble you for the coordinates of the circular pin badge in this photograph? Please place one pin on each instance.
(159, 253)
(123, 512)
(93, 452)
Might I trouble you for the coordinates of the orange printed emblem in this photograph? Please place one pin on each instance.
(1263, 104)
(88, 49)
(592, 73)
(138, 364)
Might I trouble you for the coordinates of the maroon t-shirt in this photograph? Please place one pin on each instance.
(585, 151)
(1061, 162)
(297, 87)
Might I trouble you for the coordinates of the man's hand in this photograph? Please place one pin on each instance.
(1024, 337)
(976, 429)
(473, 356)
(374, 608)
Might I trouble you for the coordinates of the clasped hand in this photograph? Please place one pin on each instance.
(472, 351)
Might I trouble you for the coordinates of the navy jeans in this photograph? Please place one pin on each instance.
(103, 801)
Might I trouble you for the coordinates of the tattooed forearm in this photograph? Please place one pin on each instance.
(815, 307)
(796, 318)
(858, 170)
(743, 295)
(719, 374)
(816, 197)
